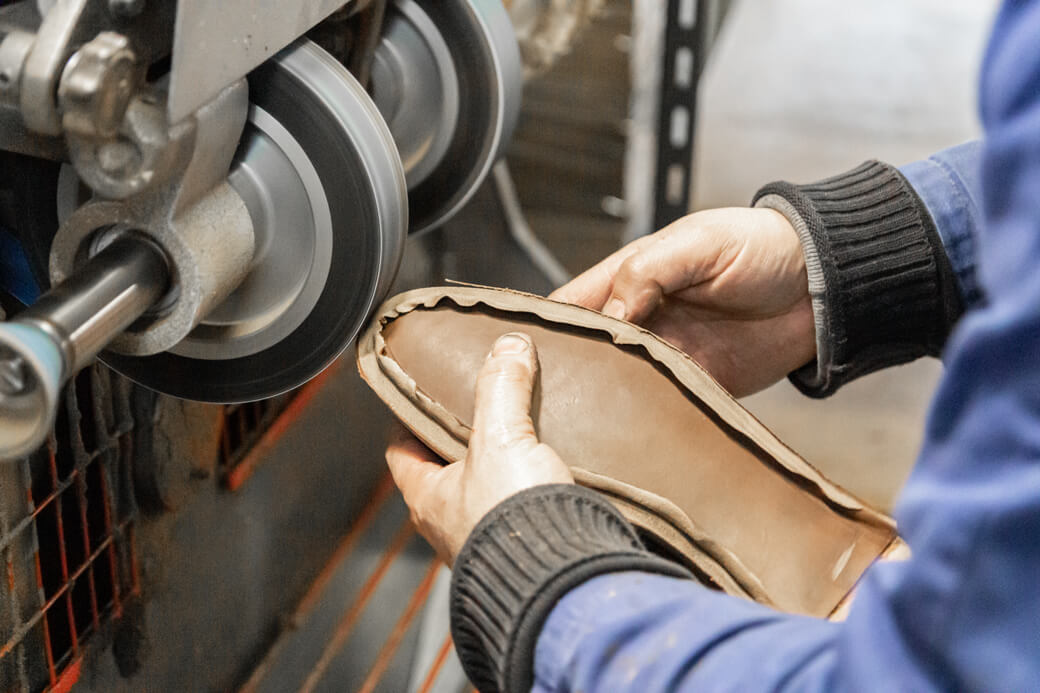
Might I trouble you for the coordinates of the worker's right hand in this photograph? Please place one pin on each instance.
(727, 286)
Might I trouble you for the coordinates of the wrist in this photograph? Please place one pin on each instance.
(525, 554)
(882, 288)
(798, 346)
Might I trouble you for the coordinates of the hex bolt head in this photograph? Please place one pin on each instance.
(12, 374)
(119, 159)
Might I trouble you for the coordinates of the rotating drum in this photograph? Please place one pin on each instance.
(447, 78)
(323, 183)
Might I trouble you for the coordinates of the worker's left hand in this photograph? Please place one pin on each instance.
(504, 455)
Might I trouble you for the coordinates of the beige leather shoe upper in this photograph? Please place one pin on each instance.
(638, 420)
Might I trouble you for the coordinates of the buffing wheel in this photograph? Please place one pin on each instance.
(320, 174)
(416, 88)
(447, 78)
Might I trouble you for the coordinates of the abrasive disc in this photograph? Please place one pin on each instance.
(456, 64)
(325, 188)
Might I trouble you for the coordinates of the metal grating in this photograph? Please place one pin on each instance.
(244, 426)
(357, 626)
(66, 535)
(249, 430)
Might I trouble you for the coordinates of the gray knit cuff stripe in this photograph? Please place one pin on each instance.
(883, 291)
(810, 373)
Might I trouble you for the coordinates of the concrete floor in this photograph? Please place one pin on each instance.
(801, 89)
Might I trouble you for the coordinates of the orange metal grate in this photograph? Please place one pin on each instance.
(380, 506)
(244, 425)
(249, 430)
(66, 535)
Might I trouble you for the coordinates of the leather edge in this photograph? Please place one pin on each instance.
(682, 367)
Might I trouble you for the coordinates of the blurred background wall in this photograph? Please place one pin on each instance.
(793, 89)
(802, 89)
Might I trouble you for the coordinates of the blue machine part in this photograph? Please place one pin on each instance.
(16, 277)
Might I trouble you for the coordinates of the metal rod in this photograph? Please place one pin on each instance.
(101, 299)
(65, 329)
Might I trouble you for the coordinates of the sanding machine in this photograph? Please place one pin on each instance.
(212, 196)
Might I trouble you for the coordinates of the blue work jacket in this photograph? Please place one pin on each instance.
(964, 612)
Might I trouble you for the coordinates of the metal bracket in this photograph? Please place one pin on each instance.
(216, 43)
(184, 204)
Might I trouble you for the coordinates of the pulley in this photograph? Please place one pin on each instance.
(321, 178)
(320, 174)
(447, 78)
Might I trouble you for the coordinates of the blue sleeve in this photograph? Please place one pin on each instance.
(949, 184)
(962, 613)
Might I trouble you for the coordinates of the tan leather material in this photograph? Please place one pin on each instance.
(641, 422)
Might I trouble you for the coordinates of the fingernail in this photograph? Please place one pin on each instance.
(511, 343)
(615, 308)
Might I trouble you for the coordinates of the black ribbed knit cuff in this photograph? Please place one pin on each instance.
(525, 555)
(883, 290)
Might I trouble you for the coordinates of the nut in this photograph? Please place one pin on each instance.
(96, 86)
(12, 374)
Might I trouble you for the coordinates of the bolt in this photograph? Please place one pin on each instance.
(12, 375)
(119, 158)
(125, 9)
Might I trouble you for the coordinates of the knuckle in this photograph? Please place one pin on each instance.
(508, 370)
(634, 272)
(517, 438)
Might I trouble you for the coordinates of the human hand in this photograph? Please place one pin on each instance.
(504, 455)
(727, 286)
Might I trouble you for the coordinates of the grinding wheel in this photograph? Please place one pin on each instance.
(447, 78)
(324, 185)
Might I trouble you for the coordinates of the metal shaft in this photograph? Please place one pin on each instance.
(65, 329)
(101, 299)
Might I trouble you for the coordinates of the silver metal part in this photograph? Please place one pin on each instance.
(43, 66)
(26, 415)
(187, 208)
(96, 86)
(14, 49)
(314, 122)
(66, 26)
(416, 87)
(216, 43)
(101, 298)
(13, 375)
(65, 329)
(146, 152)
(490, 84)
(293, 248)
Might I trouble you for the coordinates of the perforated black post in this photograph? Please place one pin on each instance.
(682, 57)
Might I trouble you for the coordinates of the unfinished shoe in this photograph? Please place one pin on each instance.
(638, 420)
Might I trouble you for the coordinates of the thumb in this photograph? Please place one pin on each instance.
(502, 413)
